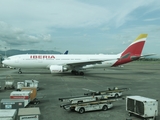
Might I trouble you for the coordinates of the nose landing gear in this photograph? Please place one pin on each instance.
(20, 72)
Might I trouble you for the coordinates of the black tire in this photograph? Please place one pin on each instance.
(38, 102)
(81, 110)
(35, 103)
(73, 72)
(105, 108)
(76, 73)
(81, 73)
(130, 114)
(116, 96)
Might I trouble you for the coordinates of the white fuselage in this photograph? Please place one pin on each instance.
(46, 60)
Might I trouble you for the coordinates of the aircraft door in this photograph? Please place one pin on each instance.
(17, 59)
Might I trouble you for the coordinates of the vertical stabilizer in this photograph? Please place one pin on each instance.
(133, 51)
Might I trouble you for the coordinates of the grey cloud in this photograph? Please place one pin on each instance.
(17, 36)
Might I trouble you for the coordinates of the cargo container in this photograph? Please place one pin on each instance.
(12, 103)
(9, 114)
(32, 90)
(27, 83)
(21, 95)
(27, 93)
(31, 83)
(9, 84)
(29, 113)
(142, 106)
(20, 85)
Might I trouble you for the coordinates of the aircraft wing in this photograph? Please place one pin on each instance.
(84, 63)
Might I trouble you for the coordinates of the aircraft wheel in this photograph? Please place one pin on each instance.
(20, 72)
(76, 73)
(72, 71)
(81, 73)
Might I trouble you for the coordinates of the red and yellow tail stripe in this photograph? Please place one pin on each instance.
(134, 50)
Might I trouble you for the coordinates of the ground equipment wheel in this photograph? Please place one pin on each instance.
(105, 108)
(81, 110)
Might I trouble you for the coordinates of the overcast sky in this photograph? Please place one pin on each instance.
(80, 26)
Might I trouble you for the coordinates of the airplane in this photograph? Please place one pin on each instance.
(77, 63)
(66, 52)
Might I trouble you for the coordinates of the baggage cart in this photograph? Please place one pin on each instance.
(9, 114)
(146, 108)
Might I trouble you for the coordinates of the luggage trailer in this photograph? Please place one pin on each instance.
(90, 105)
(111, 92)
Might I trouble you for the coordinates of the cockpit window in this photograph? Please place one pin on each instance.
(6, 58)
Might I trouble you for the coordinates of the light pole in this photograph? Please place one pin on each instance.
(5, 51)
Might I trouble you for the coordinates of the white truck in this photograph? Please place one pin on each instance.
(27, 83)
(147, 108)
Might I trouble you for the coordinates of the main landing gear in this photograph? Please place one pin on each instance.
(20, 72)
(77, 72)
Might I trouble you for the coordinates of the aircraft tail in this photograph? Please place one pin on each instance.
(133, 51)
(66, 52)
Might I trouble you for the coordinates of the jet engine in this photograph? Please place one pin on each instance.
(57, 68)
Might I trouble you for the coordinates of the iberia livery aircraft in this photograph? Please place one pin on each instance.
(59, 63)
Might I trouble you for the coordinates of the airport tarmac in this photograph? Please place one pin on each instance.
(143, 78)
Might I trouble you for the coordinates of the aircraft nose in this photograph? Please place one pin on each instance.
(5, 62)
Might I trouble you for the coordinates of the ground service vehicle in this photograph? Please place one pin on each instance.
(80, 99)
(90, 105)
(8, 114)
(111, 92)
(27, 83)
(27, 93)
(147, 108)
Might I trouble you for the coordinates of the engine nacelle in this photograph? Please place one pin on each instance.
(57, 69)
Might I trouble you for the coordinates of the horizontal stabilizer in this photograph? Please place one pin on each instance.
(143, 56)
